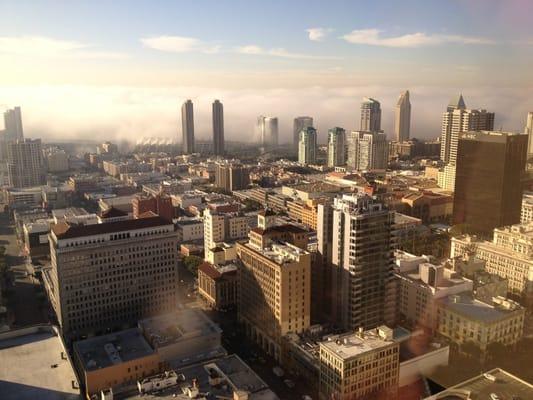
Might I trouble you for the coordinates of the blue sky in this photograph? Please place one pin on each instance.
(231, 48)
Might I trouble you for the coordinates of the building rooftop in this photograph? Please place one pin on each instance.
(217, 379)
(353, 344)
(34, 366)
(496, 381)
(469, 307)
(115, 348)
(279, 252)
(63, 230)
(216, 271)
(174, 327)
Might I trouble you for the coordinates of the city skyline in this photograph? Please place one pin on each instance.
(260, 70)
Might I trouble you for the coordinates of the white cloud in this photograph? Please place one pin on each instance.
(178, 44)
(373, 37)
(278, 52)
(49, 47)
(318, 34)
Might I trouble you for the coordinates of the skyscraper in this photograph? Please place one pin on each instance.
(267, 128)
(299, 124)
(13, 124)
(402, 117)
(456, 119)
(187, 127)
(218, 128)
(367, 151)
(488, 188)
(529, 132)
(362, 260)
(370, 115)
(307, 146)
(230, 176)
(25, 163)
(336, 147)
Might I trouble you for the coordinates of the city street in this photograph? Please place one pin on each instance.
(25, 297)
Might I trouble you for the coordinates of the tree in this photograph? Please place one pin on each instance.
(192, 263)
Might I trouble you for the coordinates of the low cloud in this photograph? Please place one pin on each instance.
(129, 113)
(41, 46)
(178, 44)
(318, 34)
(374, 37)
(279, 52)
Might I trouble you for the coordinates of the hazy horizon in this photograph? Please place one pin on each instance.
(99, 76)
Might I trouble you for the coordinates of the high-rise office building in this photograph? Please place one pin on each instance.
(218, 128)
(230, 177)
(275, 296)
(529, 132)
(13, 125)
(187, 127)
(336, 147)
(488, 187)
(267, 128)
(402, 118)
(299, 124)
(307, 146)
(367, 151)
(370, 115)
(456, 119)
(362, 281)
(104, 276)
(25, 163)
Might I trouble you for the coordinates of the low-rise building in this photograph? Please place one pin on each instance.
(509, 255)
(183, 337)
(493, 384)
(462, 319)
(36, 365)
(359, 364)
(421, 284)
(526, 213)
(115, 359)
(189, 229)
(219, 285)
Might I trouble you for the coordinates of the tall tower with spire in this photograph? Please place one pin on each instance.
(455, 120)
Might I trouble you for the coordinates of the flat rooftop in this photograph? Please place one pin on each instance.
(32, 367)
(177, 326)
(353, 344)
(108, 350)
(497, 381)
(469, 307)
(234, 375)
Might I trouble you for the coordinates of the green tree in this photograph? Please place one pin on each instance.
(192, 263)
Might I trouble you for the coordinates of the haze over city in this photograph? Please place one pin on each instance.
(87, 71)
(266, 200)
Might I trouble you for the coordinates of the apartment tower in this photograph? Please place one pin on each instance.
(25, 163)
(336, 147)
(300, 123)
(218, 128)
(370, 115)
(307, 146)
(362, 280)
(187, 127)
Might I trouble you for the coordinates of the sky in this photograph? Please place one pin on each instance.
(120, 70)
